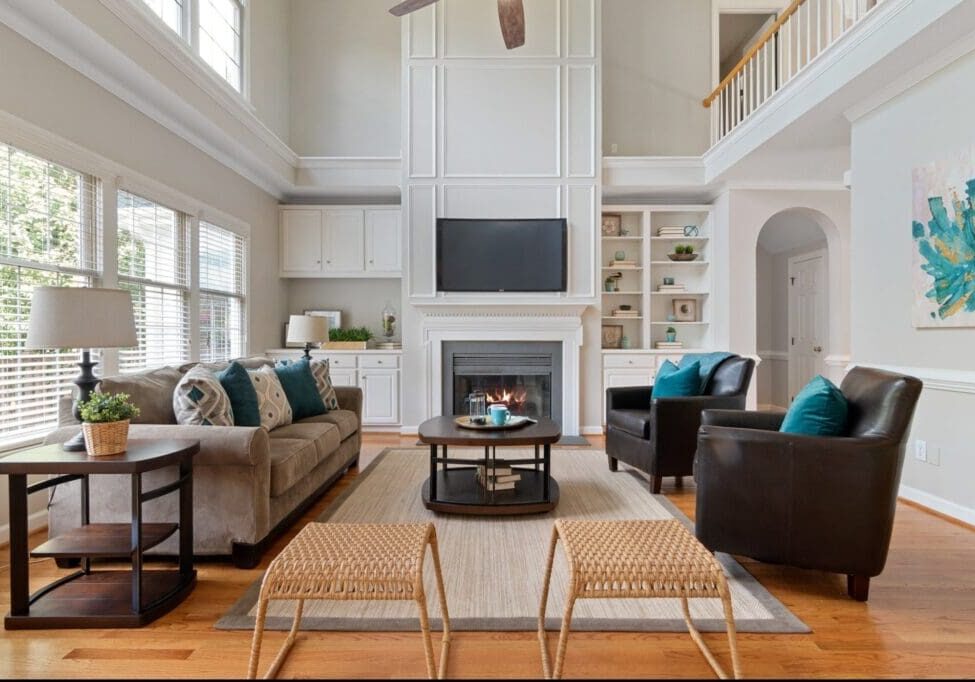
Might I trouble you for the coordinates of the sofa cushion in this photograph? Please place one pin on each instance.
(199, 400)
(325, 436)
(319, 370)
(271, 399)
(243, 398)
(634, 422)
(151, 391)
(683, 383)
(291, 460)
(346, 420)
(300, 387)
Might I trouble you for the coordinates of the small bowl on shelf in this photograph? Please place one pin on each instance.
(682, 257)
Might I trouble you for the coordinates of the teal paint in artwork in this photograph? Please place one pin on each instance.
(948, 249)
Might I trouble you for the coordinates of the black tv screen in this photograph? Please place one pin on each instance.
(502, 255)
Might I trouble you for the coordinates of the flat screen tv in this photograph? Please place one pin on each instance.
(502, 255)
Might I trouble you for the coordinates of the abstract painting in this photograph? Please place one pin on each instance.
(944, 243)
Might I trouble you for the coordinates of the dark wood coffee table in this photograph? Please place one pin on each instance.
(457, 491)
(103, 598)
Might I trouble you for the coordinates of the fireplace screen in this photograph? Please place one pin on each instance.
(525, 376)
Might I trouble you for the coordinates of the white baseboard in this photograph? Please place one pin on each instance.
(35, 521)
(938, 504)
(592, 431)
(382, 429)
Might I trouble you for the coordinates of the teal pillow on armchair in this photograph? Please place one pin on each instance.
(820, 409)
(672, 382)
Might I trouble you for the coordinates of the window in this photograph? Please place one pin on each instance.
(222, 306)
(49, 236)
(153, 247)
(212, 28)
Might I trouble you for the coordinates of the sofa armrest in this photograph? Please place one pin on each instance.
(740, 419)
(628, 398)
(66, 411)
(219, 445)
(350, 398)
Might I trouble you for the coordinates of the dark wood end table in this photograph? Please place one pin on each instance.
(104, 598)
(457, 491)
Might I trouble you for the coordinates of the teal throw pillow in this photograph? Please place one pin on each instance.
(678, 383)
(300, 388)
(667, 369)
(243, 398)
(820, 409)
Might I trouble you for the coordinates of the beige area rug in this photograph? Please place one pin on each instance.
(493, 566)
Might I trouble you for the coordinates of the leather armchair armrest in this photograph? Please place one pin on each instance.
(740, 419)
(219, 445)
(629, 398)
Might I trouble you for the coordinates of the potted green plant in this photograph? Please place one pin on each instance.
(671, 334)
(105, 421)
(683, 252)
(356, 338)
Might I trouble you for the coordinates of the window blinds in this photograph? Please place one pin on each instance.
(223, 258)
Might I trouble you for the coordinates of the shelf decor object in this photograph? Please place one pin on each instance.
(309, 330)
(356, 338)
(685, 310)
(82, 318)
(612, 224)
(105, 423)
(389, 321)
(612, 336)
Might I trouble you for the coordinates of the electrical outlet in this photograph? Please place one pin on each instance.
(934, 456)
(921, 450)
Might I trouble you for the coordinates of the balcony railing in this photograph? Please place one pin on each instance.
(799, 35)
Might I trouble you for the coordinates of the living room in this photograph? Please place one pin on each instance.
(592, 298)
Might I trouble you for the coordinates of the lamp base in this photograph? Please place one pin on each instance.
(76, 444)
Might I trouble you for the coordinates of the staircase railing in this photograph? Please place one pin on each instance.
(798, 36)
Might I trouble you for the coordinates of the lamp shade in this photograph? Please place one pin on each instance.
(70, 317)
(307, 329)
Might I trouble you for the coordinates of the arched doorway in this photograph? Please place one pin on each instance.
(792, 303)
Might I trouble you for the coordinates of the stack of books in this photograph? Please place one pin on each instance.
(672, 288)
(670, 232)
(626, 313)
(622, 264)
(669, 345)
(497, 477)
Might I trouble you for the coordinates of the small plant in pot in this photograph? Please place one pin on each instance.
(683, 252)
(105, 423)
(671, 334)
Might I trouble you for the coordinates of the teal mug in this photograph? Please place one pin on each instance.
(500, 414)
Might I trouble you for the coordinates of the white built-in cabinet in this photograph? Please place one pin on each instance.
(341, 241)
(377, 373)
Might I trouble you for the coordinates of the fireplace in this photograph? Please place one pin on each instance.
(525, 376)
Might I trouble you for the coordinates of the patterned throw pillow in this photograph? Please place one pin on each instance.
(271, 399)
(200, 400)
(319, 370)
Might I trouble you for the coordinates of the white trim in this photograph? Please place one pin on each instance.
(54, 29)
(938, 504)
(35, 522)
(935, 379)
(592, 431)
(837, 361)
(929, 67)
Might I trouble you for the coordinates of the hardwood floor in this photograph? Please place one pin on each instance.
(919, 622)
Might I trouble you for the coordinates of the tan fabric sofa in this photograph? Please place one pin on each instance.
(248, 485)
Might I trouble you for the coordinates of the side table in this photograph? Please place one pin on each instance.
(103, 598)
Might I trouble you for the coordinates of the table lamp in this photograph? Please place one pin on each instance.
(83, 319)
(308, 330)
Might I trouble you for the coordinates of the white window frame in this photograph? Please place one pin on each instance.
(241, 295)
(189, 39)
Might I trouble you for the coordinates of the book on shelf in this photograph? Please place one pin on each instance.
(670, 232)
(622, 264)
(626, 313)
(666, 345)
(494, 471)
(672, 287)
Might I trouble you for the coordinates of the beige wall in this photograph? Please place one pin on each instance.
(656, 70)
(269, 63)
(345, 78)
(360, 300)
(883, 296)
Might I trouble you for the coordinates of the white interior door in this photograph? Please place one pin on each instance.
(808, 319)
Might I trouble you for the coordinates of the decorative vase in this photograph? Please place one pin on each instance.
(620, 255)
(106, 439)
(669, 281)
(389, 321)
(625, 343)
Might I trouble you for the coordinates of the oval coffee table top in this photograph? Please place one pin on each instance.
(444, 431)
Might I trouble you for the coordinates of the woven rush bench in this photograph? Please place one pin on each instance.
(635, 559)
(353, 562)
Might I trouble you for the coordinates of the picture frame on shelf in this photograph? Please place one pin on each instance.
(685, 309)
(612, 224)
(334, 317)
(612, 336)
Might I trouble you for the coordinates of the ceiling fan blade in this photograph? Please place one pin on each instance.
(408, 6)
(512, 15)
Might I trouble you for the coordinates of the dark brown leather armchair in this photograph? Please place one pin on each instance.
(809, 502)
(659, 436)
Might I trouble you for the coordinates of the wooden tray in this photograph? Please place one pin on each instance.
(513, 423)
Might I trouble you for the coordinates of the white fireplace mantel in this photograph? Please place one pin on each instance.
(562, 325)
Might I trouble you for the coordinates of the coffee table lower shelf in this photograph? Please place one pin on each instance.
(459, 492)
(104, 599)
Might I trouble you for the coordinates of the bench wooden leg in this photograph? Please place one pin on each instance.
(442, 596)
(702, 645)
(542, 639)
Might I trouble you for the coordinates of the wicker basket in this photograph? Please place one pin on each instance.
(109, 438)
